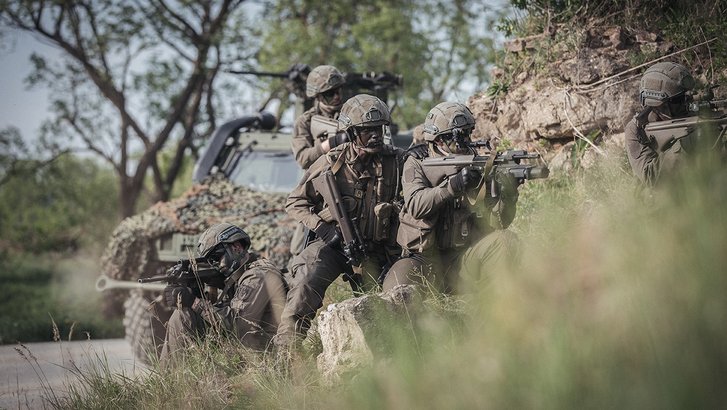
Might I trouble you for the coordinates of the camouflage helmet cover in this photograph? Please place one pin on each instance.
(322, 79)
(363, 110)
(220, 233)
(446, 117)
(663, 81)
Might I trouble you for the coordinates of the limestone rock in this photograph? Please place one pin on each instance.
(356, 331)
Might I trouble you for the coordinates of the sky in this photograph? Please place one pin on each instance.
(20, 107)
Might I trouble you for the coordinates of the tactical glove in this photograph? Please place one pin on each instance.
(503, 205)
(327, 232)
(467, 178)
(337, 139)
(178, 296)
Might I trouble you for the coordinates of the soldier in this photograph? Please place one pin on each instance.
(324, 86)
(663, 93)
(249, 306)
(367, 175)
(439, 230)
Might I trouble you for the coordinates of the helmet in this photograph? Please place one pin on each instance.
(447, 117)
(220, 233)
(322, 79)
(664, 81)
(363, 110)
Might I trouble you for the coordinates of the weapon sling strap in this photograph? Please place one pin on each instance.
(483, 189)
(338, 164)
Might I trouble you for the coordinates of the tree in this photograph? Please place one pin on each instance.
(135, 78)
(441, 47)
(56, 206)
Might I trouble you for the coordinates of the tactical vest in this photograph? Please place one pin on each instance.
(372, 197)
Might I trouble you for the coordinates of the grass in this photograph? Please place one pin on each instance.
(618, 303)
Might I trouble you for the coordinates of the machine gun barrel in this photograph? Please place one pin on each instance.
(259, 73)
(105, 283)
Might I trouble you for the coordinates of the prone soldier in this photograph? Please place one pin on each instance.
(365, 173)
(249, 305)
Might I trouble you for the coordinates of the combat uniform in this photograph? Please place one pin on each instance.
(306, 148)
(646, 162)
(249, 307)
(440, 232)
(369, 189)
(663, 94)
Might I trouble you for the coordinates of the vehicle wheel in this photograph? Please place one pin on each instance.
(145, 326)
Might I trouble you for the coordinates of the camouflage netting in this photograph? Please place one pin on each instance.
(131, 251)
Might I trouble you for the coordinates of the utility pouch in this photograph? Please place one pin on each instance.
(386, 222)
(454, 228)
(415, 235)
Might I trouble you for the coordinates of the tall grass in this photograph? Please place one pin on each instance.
(618, 302)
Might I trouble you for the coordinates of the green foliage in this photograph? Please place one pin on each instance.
(57, 206)
(48, 300)
(497, 88)
(436, 45)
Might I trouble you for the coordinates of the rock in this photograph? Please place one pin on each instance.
(356, 331)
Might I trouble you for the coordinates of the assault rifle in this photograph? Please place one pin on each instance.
(320, 124)
(192, 273)
(353, 247)
(707, 127)
(438, 168)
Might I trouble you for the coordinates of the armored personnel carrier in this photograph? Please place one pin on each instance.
(243, 177)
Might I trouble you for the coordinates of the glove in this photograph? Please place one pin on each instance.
(504, 205)
(419, 151)
(178, 296)
(327, 232)
(337, 139)
(467, 178)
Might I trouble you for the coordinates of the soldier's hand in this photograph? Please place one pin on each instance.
(327, 232)
(178, 296)
(467, 178)
(337, 139)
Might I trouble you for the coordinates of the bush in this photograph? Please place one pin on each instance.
(41, 295)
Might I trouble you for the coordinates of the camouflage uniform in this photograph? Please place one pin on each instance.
(662, 93)
(306, 146)
(249, 305)
(250, 309)
(646, 162)
(439, 231)
(368, 185)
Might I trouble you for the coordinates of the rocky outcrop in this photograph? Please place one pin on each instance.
(583, 89)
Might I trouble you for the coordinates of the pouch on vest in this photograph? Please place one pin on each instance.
(386, 222)
(454, 228)
(414, 235)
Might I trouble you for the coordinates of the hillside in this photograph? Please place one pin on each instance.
(575, 85)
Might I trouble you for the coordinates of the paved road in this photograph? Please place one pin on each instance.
(28, 373)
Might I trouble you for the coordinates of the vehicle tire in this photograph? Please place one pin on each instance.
(145, 325)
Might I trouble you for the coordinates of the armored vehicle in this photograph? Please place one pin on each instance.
(243, 177)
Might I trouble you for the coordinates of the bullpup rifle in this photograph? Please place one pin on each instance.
(192, 273)
(511, 161)
(708, 127)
